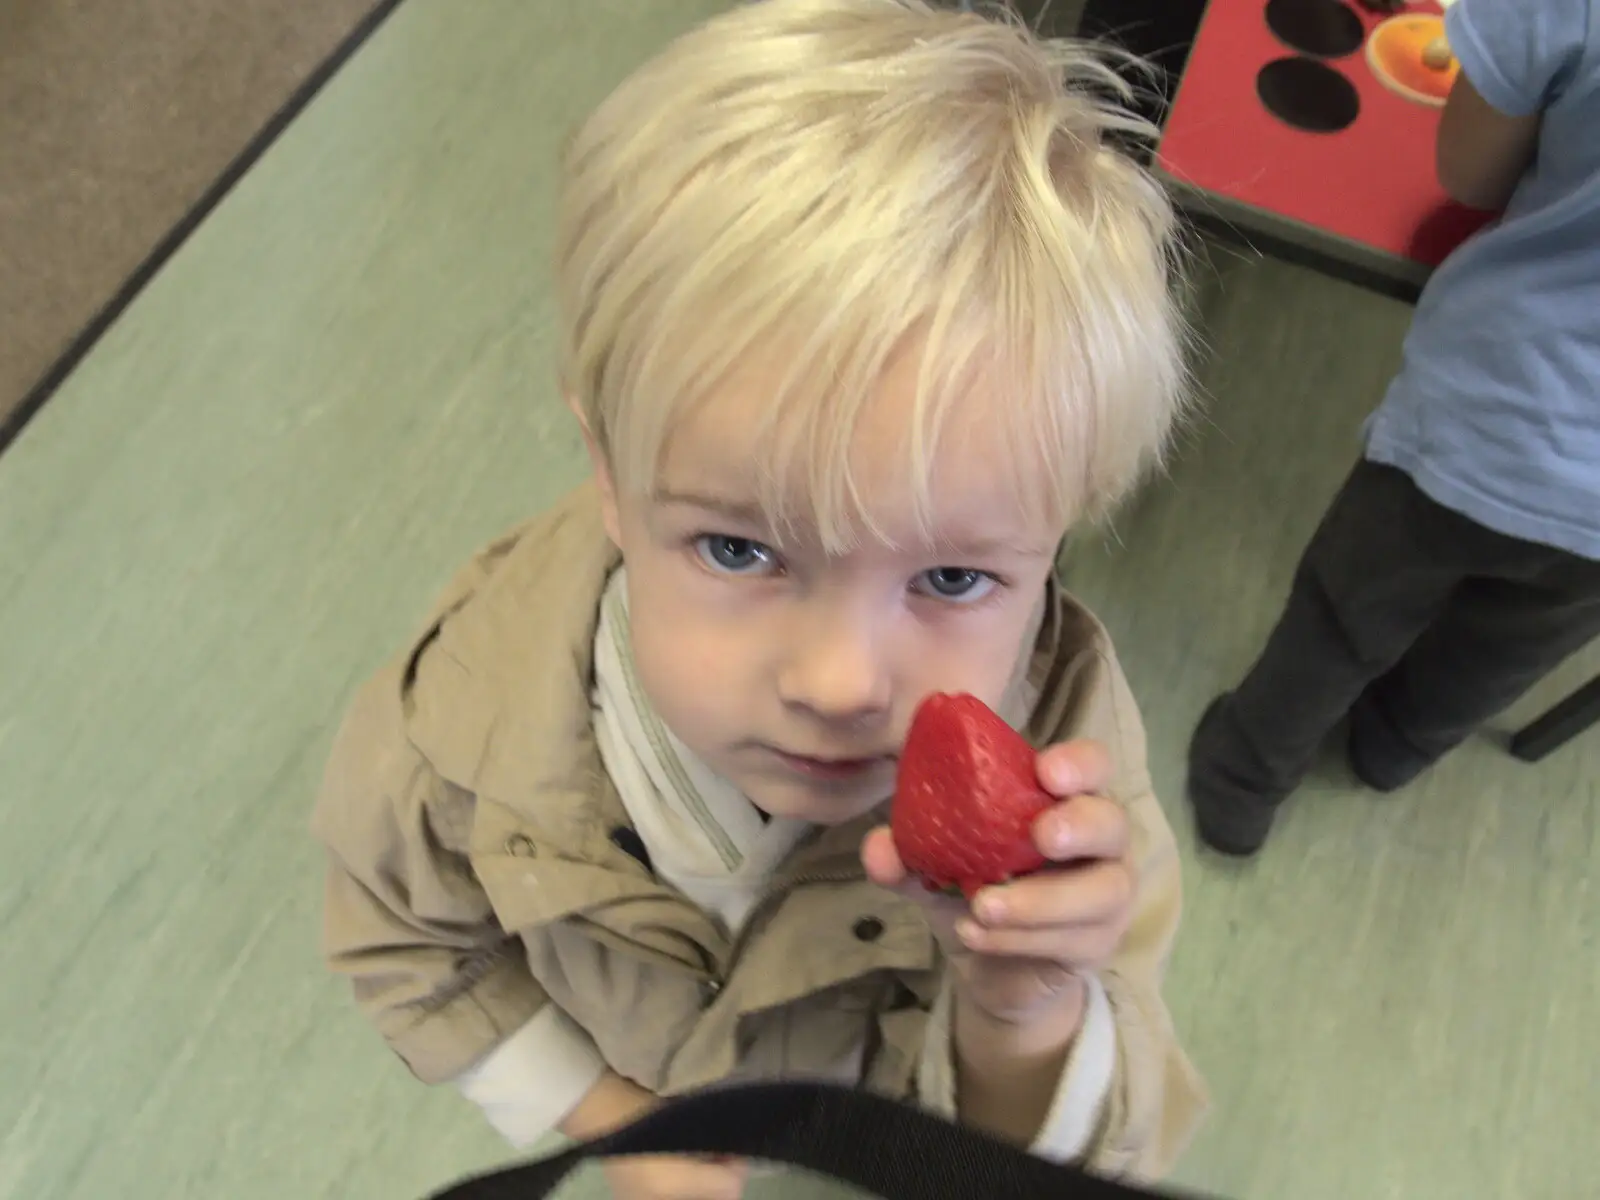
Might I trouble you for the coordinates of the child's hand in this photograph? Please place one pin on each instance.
(614, 1102)
(1018, 949)
(665, 1177)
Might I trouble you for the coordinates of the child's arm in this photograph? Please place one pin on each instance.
(406, 921)
(1155, 1100)
(608, 1105)
(1051, 1030)
(1514, 60)
(1044, 1084)
(1482, 153)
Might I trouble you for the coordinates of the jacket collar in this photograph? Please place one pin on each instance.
(497, 691)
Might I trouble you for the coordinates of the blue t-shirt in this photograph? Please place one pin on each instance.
(1496, 410)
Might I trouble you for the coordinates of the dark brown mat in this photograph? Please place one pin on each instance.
(121, 125)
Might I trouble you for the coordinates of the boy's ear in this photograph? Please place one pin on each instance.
(602, 476)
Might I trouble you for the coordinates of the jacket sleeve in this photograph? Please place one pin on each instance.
(1078, 1108)
(1128, 1099)
(1156, 1100)
(406, 921)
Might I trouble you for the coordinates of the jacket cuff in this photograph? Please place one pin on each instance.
(1076, 1111)
(1074, 1118)
(531, 1081)
(440, 1038)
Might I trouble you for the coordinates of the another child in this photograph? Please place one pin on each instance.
(861, 315)
(1461, 561)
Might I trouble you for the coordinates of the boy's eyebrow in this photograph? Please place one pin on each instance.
(985, 547)
(737, 510)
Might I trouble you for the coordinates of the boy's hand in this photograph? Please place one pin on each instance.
(614, 1102)
(1018, 950)
(666, 1177)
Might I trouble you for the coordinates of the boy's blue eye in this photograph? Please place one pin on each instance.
(734, 555)
(956, 583)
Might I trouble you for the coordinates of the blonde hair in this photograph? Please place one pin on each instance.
(822, 181)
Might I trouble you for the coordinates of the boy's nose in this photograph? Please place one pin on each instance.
(836, 670)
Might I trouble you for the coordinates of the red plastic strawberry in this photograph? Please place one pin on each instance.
(966, 798)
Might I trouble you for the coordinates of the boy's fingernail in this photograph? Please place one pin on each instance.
(969, 931)
(990, 908)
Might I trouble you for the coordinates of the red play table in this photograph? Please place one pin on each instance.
(1371, 186)
(1362, 204)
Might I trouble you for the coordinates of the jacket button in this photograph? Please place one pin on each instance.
(520, 845)
(868, 929)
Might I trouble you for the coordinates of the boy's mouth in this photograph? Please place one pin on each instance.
(831, 769)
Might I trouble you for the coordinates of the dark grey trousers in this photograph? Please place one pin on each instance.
(1417, 621)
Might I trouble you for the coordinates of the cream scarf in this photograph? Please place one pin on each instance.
(703, 836)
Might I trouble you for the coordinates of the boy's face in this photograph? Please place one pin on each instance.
(794, 673)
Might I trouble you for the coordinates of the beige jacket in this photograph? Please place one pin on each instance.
(479, 867)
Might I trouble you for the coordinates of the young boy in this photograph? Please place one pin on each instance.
(1461, 561)
(861, 314)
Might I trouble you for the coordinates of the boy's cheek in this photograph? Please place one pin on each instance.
(688, 664)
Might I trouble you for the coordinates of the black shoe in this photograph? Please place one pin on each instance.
(1235, 824)
(1378, 756)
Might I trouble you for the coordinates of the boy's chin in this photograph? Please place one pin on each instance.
(817, 807)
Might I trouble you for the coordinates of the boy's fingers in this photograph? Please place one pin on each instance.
(701, 1180)
(881, 860)
(728, 1181)
(1083, 827)
(1092, 894)
(1083, 946)
(1069, 768)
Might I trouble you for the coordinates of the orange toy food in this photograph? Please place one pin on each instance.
(1403, 53)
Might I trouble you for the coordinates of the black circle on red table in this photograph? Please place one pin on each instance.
(1308, 95)
(1320, 28)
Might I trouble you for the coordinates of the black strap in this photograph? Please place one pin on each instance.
(886, 1148)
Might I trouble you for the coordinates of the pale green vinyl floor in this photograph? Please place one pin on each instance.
(342, 385)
